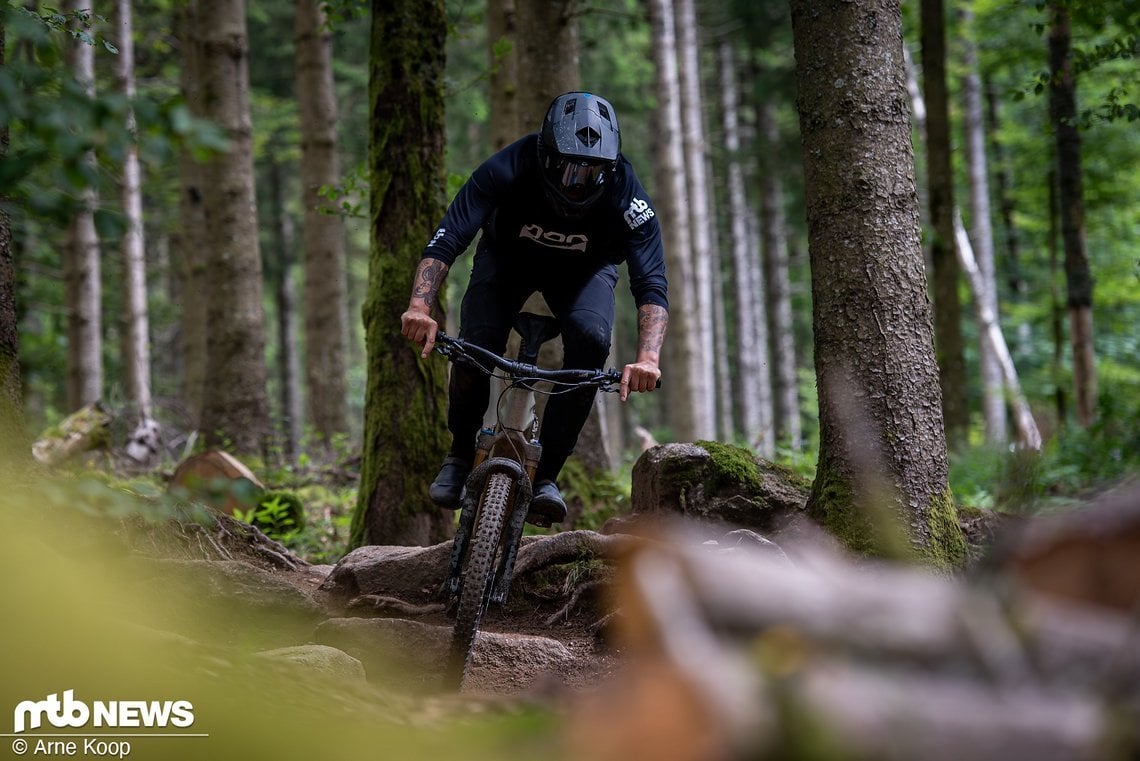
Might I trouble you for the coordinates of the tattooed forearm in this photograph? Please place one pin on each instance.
(429, 278)
(651, 322)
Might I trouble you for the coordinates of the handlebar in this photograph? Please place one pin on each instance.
(458, 350)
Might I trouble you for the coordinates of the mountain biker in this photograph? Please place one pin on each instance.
(559, 210)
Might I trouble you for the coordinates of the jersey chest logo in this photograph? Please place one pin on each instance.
(554, 239)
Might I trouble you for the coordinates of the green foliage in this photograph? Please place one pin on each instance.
(279, 514)
(602, 495)
(1072, 464)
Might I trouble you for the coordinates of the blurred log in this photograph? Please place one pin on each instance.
(1088, 555)
(759, 656)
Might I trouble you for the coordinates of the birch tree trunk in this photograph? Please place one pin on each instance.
(144, 440)
(940, 184)
(81, 261)
(680, 356)
(190, 237)
(326, 300)
(981, 231)
(700, 213)
(988, 326)
(881, 482)
(993, 340)
(235, 406)
(762, 441)
(743, 257)
(987, 317)
(1078, 278)
(785, 417)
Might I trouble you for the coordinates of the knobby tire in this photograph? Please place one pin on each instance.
(478, 573)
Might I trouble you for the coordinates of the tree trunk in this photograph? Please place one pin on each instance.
(940, 184)
(81, 262)
(882, 472)
(743, 258)
(190, 238)
(136, 317)
(994, 342)
(235, 408)
(405, 419)
(700, 213)
(778, 288)
(548, 56)
(1014, 278)
(1063, 113)
(985, 309)
(285, 291)
(981, 232)
(326, 307)
(762, 440)
(503, 57)
(725, 397)
(13, 436)
(680, 355)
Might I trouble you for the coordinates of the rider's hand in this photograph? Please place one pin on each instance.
(639, 376)
(420, 327)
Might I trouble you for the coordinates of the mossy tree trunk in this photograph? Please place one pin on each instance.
(405, 421)
(881, 482)
(13, 437)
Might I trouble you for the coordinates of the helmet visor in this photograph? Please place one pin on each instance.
(578, 179)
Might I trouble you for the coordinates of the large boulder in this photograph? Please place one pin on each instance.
(413, 574)
(716, 483)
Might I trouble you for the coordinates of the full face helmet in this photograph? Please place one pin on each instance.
(578, 148)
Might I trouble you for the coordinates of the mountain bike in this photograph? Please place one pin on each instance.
(496, 497)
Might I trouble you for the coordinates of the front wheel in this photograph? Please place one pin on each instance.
(478, 573)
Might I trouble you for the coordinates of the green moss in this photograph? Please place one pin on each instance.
(730, 464)
(865, 525)
(947, 547)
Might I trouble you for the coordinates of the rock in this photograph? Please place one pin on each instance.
(324, 661)
(716, 483)
(413, 574)
(86, 429)
(211, 600)
(219, 480)
(410, 655)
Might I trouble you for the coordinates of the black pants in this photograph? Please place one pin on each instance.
(581, 296)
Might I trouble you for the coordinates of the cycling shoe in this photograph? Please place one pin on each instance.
(447, 488)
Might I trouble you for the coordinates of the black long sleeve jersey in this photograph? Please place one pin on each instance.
(504, 197)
